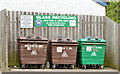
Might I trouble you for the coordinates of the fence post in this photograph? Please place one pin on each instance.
(119, 46)
(3, 39)
(7, 42)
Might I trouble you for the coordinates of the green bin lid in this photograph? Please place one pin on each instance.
(90, 39)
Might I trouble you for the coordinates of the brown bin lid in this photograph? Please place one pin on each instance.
(63, 41)
(32, 39)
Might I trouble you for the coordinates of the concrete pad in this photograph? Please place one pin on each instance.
(65, 70)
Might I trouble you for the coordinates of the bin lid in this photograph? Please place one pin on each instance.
(90, 39)
(32, 38)
(63, 41)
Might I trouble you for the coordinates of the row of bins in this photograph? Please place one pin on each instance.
(87, 51)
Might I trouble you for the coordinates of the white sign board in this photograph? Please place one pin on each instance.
(26, 21)
(59, 49)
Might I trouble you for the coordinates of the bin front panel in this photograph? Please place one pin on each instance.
(91, 54)
(32, 53)
(63, 54)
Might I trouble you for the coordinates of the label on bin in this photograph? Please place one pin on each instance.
(32, 45)
(88, 48)
(99, 47)
(59, 49)
(64, 54)
(70, 48)
(40, 46)
(26, 45)
(34, 52)
(28, 48)
(93, 53)
(63, 47)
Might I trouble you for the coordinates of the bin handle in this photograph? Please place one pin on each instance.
(28, 36)
(59, 39)
(97, 39)
(68, 40)
(38, 37)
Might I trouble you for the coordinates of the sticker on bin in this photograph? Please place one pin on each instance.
(36, 45)
(40, 46)
(34, 52)
(64, 54)
(59, 49)
(63, 47)
(32, 45)
(99, 47)
(70, 48)
(88, 48)
(26, 45)
(28, 48)
(93, 53)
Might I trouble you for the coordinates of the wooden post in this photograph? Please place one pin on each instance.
(3, 40)
(6, 42)
(0, 42)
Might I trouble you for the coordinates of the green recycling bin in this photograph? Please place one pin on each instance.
(91, 52)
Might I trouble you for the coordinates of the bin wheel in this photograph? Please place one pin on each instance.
(53, 66)
(72, 66)
(43, 66)
(22, 66)
(78, 66)
(84, 66)
(27, 66)
(102, 67)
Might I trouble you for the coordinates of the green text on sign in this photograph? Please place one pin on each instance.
(55, 21)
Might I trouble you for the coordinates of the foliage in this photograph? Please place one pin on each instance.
(113, 11)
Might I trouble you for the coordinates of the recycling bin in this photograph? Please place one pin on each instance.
(63, 52)
(32, 50)
(91, 51)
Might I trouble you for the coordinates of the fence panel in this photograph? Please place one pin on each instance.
(111, 36)
(0, 40)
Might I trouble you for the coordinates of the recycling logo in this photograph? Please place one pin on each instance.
(64, 54)
(34, 52)
(93, 53)
(39, 22)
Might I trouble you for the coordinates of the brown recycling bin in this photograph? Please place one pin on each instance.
(32, 50)
(63, 52)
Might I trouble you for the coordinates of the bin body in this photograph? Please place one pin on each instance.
(91, 51)
(32, 50)
(63, 52)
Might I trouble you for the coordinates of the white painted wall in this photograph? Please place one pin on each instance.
(84, 7)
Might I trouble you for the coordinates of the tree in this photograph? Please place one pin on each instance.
(113, 11)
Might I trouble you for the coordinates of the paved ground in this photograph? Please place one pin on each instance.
(66, 70)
